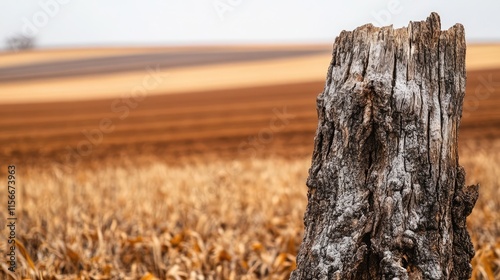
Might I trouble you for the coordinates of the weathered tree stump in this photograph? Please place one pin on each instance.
(386, 195)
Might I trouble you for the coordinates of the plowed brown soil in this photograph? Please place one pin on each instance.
(200, 122)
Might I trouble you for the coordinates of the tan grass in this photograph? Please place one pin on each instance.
(224, 219)
(309, 68)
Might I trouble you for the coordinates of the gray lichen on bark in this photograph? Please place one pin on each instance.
(387, 196)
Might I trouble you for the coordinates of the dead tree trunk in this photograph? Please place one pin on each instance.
(386, 193)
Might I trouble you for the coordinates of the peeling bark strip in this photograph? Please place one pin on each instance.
(386, 193)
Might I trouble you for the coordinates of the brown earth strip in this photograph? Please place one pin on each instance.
(221, 122)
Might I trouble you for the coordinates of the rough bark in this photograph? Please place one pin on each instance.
(386, 194)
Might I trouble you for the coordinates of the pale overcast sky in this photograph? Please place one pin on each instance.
(81, 23)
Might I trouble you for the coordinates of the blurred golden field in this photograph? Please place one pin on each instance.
(200, 180)
(223, 219)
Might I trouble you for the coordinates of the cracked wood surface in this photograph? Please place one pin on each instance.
(386, 195)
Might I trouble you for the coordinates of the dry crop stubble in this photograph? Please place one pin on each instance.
(481, 160)
(170, 221)
(219, 219)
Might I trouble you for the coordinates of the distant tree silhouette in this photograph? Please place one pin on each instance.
(20, 42)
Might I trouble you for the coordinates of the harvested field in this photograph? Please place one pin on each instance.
(187, 181)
